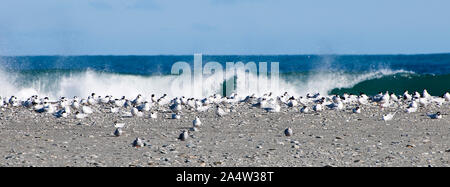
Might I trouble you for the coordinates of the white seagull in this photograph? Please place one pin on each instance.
(318, 107)
(292, 102)
(407, 96)
(425, 94)
(176, 107)
(91, 100)
(220, 112)
(388, 117)
(196, 122)
(136, 112)
(75, 104)
(336, 106)
(145, 106)
(114, 109)
(153, 115)
(411, 109)
(79, 115)
(304, 109)
(447, 96)
(138, 100)
(119, 125)
(273, 108)
(49, 108)
(87, 110)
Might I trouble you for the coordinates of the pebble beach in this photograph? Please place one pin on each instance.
(245, 136)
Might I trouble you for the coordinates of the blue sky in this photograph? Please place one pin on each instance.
(152, 27)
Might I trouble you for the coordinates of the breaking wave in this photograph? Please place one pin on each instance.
(81, 83)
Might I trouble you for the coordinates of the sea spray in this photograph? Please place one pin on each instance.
(83, 83)
(128, 75)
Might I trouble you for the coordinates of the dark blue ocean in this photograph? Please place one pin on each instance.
(128, 75)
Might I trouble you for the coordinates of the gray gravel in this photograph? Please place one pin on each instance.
(247, 137)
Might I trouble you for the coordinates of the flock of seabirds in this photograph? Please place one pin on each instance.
(80, 108)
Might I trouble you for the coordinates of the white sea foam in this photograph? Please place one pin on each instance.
(321, 82)
(84, 83)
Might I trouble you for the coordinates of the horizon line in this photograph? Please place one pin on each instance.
(287, 54)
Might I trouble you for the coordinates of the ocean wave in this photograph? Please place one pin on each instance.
(82, 83)
(324, 82)
(397, 83)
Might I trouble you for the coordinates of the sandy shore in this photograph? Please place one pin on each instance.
(247, 137)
